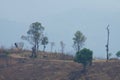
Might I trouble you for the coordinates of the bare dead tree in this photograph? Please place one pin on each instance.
(52, 45)
(62, 46)
(107, 45)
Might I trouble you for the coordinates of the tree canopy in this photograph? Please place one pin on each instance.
(79, 40)
(34, 35)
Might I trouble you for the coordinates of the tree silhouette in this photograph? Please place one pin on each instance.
(107, 45)
(44, 42)
(34, 35)
(52, 45)
(62, 46)
(79, 40)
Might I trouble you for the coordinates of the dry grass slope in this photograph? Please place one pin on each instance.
(39, 70)
(16, 67)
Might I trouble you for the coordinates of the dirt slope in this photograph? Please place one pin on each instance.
(104, 71)
(40, 70)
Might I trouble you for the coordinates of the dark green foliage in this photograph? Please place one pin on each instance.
(118, 54)
(84, 56)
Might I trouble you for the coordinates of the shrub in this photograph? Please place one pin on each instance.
(84, 56)
(118, 54)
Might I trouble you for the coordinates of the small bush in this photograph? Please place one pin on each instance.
(84, 56)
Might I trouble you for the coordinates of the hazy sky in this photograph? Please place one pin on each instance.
(61, 19)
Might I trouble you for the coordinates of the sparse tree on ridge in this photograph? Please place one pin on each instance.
(44, 42)
(34, 35)
(79, 40)
(62, 46)
(52, 45)
(107, 45)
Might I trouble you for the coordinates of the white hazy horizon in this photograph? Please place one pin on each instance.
(61, 19)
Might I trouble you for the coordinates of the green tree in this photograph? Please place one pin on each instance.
(84, 56)
(79, 40)
(118, 54)
(44, 42)
(34, 35)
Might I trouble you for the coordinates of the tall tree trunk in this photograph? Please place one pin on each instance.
(107, 46)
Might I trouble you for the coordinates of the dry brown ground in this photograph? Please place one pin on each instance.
(18, 68)
(39, 70)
